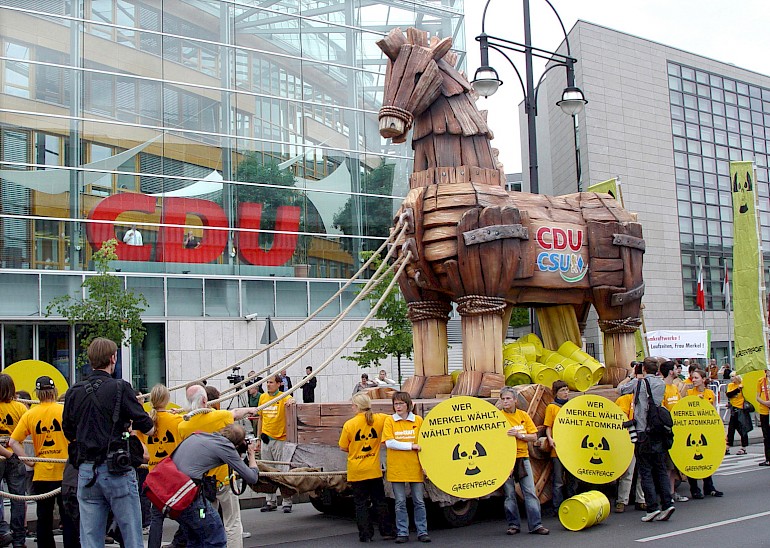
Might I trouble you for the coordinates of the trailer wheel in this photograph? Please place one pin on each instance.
(461, 513)
(332, 503)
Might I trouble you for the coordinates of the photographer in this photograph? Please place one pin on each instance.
(96, 420)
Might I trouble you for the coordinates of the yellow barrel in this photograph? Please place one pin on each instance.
(597, 369)
(543, 374)
(578, 377)
(455, 374)
(584, 510)
(517, 373)
(535, 340)
(573, 351)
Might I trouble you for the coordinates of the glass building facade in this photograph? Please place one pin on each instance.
(715, 119)
(231, 147)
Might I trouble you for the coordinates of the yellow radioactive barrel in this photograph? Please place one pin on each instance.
(578, 377)
(573, 351)
(535, 340)
(517, 373)
(543, 374)
(584, 510)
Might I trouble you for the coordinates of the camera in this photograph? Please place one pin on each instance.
(631, 427)
(235, 378)
(119, 457)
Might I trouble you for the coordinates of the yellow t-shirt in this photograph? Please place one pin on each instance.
(402, 465)
(671, 396)
(707, 394)
(550, 419)
(43, 423)
(10, 413)
(362, 442)
(626, 403)
(208, 422)
(165, 439)
(521, 421)
(763, 391)
(737, 400)
(273, 416)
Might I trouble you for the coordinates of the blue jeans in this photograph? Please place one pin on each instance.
(531, 502)
(561, 478)
(15, 475)
(402, 516)
(156, 530)
(118, 492)
(201, 525)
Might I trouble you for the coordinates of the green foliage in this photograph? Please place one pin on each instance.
(108, 310)
(519, 317)
(376, 212)
(392, 339)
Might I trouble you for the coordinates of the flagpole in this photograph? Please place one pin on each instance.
(728, 306)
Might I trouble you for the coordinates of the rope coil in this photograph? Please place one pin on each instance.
(626, 325)
(477, 305)
(428, 310)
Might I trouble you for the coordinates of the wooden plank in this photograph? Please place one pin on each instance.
(418, 58)
(453, 74)
(430, 153)
(634, 294)
(437, 384)
(391, 44)
(468, 383)
(427, 89)
(309, 413)
(600, 237)
(489, 382)
(468, 152)
(606, 278)
(469, 258)
(417, 37)
(395, 71)
(421, 154)
(447, 149)
(490, 253)
(484, 152)
(437, 112)
(453, 278)
(438, 251)
(423, 125)
(439, 233)
(625, 240)
(449, 87)
(458, 200)
(511, 249)
(606, 265)
(459, 106)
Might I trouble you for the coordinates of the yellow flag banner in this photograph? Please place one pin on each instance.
(750, 343)
(612, 187)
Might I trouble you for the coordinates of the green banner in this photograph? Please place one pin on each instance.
(750, 342)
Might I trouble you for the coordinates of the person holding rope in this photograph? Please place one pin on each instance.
(160, 445)
(271, 434)
(43, 423)
(11, 469)
(98, 413)
(212, 421)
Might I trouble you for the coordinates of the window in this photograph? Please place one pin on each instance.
(16, 75)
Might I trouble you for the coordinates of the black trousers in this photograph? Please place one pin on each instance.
(369, 498)
(764, 423)
(651, 468)
(45, 517)
(732, 428)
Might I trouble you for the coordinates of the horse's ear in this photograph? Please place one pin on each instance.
(442, 48)
(391, 44)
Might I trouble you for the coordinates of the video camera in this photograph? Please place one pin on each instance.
(235, 378)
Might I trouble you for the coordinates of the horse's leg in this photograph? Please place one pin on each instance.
(429, 321)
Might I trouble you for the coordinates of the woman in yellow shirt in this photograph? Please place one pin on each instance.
(403, 466)
(699, 389)
(361, 438)
(736, 399)
(561, 477)
(763, 410)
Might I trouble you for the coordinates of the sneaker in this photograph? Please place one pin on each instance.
(512, 531)
(245, 534)
(423, 538)
(540, 531)
(640, 506)
(680, 498)
(665, 514)
(6, 539)
(697, 496)
(402, 540)
(268, 508)
(287, 509)
(146, 530)
(649, 516)
(620, 507)
(716, 493)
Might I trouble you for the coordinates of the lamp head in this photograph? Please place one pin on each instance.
(486, 81)
(572, 101)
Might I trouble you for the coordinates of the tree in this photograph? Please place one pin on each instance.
(376, 211)
(108, 310)
(392, 339)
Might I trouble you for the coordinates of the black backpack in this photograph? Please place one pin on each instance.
(659, 422)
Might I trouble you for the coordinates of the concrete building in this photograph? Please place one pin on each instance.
(239, 138)
(666, 122)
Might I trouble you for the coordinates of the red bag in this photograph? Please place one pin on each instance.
(170, 490)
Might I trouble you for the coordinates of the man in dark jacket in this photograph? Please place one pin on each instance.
(308, 389)
(97, 415)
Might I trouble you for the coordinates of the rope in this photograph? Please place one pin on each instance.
(376, 278)
(428, 310)
(41, 496)
(393, 237)
(317, 337)
(626, 325)
(476, 305)
(300, 474)
(397, 112)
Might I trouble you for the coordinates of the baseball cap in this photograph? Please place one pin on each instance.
(44, 383)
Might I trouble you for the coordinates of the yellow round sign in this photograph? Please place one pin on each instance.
(25, 372)
(699, 437)
(591, 440)
(750, 381)
(466, 451)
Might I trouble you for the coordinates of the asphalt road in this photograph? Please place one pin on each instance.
(739, 518)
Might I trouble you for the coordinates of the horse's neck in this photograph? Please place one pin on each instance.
(452, 133)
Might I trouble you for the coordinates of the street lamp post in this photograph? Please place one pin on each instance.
(486, 80)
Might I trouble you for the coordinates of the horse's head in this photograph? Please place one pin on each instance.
(413, 79)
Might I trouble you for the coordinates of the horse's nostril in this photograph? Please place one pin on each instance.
(392, 125)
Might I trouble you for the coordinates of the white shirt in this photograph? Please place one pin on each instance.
(133, 237)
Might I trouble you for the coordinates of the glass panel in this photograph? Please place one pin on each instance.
(152, 289)
(54, 347)
(258, 298)
(361, 310)
(185, 297)
(19, 295)
(148, 360)
(54, 286)
(17, 340)
(222, 298)
(319, 294)
(293, 299)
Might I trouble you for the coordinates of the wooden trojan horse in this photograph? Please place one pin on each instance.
(485, 249)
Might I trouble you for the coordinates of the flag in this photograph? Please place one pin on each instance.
(726, 288)
(700, 297)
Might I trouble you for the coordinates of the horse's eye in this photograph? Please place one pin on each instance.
(417, 77)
